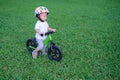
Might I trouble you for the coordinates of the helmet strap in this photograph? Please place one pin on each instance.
(37, 15)
(40, 19)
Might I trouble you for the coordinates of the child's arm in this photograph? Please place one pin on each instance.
(51, 29)
(38, 31)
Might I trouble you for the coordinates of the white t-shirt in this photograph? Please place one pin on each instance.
(43, 27)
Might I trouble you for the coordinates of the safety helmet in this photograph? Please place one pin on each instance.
(41, 9)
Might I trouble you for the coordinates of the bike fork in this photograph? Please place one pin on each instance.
(51, 45)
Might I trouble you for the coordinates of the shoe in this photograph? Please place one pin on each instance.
(34, 54)
(43, 53)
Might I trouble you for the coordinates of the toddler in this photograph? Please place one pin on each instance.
(41, 27)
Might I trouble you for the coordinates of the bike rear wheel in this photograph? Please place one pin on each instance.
(31, 44)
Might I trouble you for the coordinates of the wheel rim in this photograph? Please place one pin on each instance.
(30, 46)
(55, 54)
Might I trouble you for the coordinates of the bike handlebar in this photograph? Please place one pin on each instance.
(48, 33)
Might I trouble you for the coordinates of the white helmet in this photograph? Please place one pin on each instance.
(41, 9)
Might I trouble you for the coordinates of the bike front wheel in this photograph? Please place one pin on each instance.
(55, 53)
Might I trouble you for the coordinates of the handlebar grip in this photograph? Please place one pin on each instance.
(41, 34)
(50, 32)
(47, 33)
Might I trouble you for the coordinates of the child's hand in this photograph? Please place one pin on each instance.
(54, 30)
(50, 29)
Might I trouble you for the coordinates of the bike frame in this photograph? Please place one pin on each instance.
(47, 40)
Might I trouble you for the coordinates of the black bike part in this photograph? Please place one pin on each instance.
(50, 32)
(31, 43)
(41, 34)
(55, 53)
(47, 33)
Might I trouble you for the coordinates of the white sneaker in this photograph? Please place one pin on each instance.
(34, 54)
(44, 53)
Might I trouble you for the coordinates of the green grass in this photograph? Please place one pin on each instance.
(88, 31)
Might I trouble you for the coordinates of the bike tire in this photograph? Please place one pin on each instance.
(31, 45)
(55, 53)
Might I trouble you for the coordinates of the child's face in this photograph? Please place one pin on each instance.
(43, 16)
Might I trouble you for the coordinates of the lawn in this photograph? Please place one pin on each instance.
(88, 31)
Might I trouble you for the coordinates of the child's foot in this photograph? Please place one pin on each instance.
(34, 54)
(44, 53)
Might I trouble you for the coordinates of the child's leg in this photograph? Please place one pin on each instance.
(43, 50)
(40, 47)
